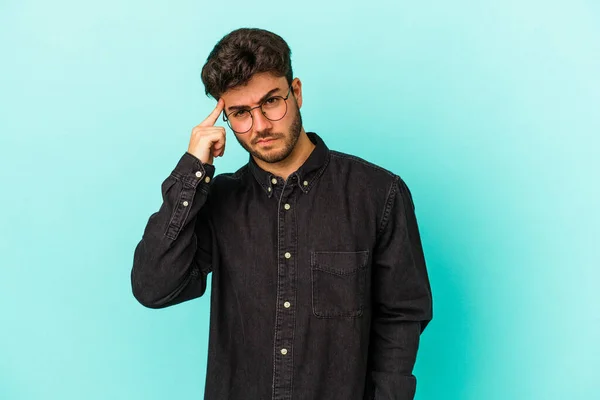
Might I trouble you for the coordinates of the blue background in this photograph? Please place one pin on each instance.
(488, 110)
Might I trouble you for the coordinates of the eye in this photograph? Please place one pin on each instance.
(239, 114)
(272, 101)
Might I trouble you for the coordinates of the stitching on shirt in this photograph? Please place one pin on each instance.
(361, 161)
(174, 228)
(314, 266)
(391, 193)
(339, 272)
(317, 176)
(184, 214)
(171, 220)
(258, 179)
(407, 230)
(278, 293)
(388, 207)
(295, 250)
(364, 259)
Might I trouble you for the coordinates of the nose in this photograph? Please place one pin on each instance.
(260, 122)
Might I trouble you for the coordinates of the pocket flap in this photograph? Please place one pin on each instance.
(339, 262)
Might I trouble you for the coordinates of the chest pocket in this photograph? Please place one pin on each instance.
(338, 283)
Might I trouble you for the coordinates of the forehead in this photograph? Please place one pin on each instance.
(253, 90)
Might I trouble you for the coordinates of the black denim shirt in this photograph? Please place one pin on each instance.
(319, 284)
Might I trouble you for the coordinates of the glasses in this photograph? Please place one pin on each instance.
(273, 108)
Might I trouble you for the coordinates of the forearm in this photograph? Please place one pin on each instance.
(402, 303)
(172, 259)
(394, 347)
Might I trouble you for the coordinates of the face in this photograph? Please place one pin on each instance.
(269, 141)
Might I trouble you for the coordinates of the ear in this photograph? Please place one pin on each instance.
(297, 89)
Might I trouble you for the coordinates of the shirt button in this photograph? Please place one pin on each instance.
(287, 206)
(305, 183)
(274, 181)
(287, 255)
(287, 304)
(269, 189)
(199, 174)
(207, 179)
(185, 203)
(284, 351)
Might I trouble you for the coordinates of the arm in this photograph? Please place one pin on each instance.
(171, 262)
(402, 303)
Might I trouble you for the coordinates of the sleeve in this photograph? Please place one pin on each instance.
(173, 258)
(402, 301)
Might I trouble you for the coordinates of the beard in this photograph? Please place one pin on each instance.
(289, 142)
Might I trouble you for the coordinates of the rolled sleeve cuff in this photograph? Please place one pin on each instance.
(192, 172)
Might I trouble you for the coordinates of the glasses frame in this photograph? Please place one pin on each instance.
(226, 117)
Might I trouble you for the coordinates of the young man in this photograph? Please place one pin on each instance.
(319, 284)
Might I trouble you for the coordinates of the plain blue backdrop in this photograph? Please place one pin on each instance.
(488, 110)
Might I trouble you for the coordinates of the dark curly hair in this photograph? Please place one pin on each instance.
(242, 53)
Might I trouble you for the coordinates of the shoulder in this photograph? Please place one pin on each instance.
(385, 182)
(228, 182)
(362, 168)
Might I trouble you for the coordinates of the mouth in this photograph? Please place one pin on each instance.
(266, 141)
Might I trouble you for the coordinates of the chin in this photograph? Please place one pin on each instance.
(271, 156)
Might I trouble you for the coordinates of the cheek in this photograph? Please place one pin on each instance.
(290, 116)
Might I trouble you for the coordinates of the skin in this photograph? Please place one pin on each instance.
(279, 147)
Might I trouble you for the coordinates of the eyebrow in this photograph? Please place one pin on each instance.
(244, 107)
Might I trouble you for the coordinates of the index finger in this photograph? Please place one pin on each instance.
(214, 115)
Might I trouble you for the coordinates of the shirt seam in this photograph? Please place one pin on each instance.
(359, 160)
(388, 207)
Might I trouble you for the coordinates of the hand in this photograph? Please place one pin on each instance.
(207, 140)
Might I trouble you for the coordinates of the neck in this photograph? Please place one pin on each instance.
(294, 161)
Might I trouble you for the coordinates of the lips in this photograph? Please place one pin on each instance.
(266, 140)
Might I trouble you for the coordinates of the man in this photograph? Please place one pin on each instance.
(319, 284)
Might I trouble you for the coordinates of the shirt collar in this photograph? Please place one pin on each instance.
(305, 176)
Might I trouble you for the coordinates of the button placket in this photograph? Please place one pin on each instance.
(286, 293)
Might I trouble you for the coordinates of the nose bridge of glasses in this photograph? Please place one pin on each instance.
(260, 118)
(260, 110)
